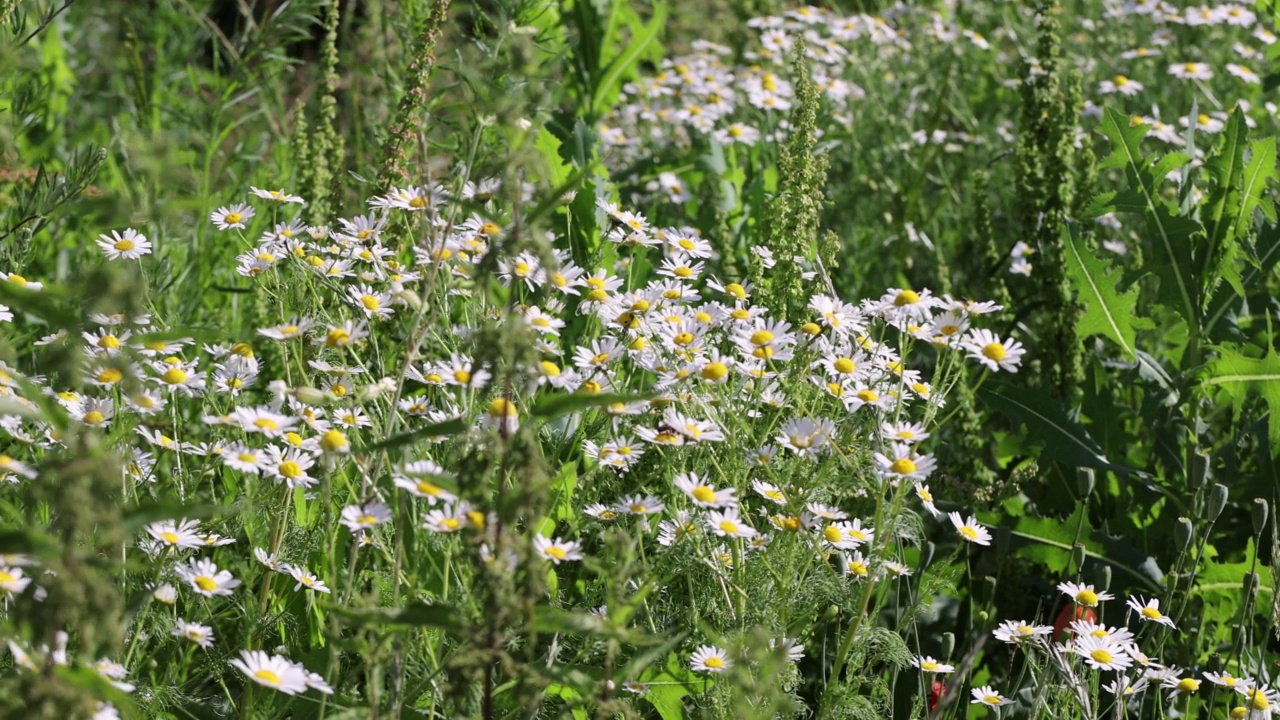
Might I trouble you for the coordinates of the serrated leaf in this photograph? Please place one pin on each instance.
(1171, 235)
(549, 145)
(1107, 311)
(1064, 440)
(1239, 376)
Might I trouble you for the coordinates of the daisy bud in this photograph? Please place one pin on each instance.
(1217, 500)
(311, 396)
(1085, 479)
(1259, 515)
(410, 298)
(1184, 533)
(948, 645)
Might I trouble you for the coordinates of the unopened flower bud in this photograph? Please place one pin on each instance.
(1250, 584)
(1104, 577)
(1183, 533)
(1260, 511)
(948, 645)
(310, 396)
(1077, 558)
(410, 298)
(1085, 479)
(1217, 500)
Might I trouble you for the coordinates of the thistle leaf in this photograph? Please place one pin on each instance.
(1107, 311)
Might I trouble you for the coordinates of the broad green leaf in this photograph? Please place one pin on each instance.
(1107, 311)
(1064, 440)
(1240, 375)
(556, 405)
(1171, 235)
(549, 145)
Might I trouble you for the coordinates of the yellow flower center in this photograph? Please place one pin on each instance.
(450, 523)
(174, 376)
(1188, 685)
(94, 417)
(928, 665)
(715, 371)
(906, 297)
(703, 494)
(501, 407)
(1087, 597)
(868, 396)
(370, 302)
(831, 534)
(1151, 613)
(417, 203)
(1101, 656)
(290, 469)
(490, 228)
(268, 677)
(556, 552)
(549, 368)
(366, 520)
(232, 218)
(427, 488)
(714, 662)
(903, 466)
(462, 376)
(683, 338)
(266, 424)
(169, 537)
(206, 583)
(729, 527)
(994, 351)
(761, 337)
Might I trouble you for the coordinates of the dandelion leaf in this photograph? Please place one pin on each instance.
(1107, 311)
(1064, 439)
(1170, 234)
(1239, 376)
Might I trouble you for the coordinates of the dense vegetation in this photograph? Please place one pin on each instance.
(638, 358)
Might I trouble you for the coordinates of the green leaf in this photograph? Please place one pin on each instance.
(1239, 376)
(1106, 310)
(1065, 440)
(434, 430)
(1171, 234)
(556, 405)
(606, 90)
(1051, 540)
(667, 687)
(443, 617)
(549, 145)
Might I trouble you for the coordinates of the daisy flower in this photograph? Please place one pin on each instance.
(927, 664)
(201, 635)
(235, 216)
(129, 246)
(1191, 71)
(1180, 685)
(367, 516)
(278, 196)
(926, 498)
(179, 535)
(307, 580)
(1120, 84)
(987, 348)
(1149, 611)
(1015, 632)
(205, 578)
(557, 550)
(1084, 595)
(709, 658)
(986, 695)
(273, 671)
(372, 303)
(969, 529)
(13, 581)
(1102, 654)
(703, 494)
(726, 523)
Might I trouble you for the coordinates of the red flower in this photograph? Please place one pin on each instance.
(935, 694)
(1067, 616)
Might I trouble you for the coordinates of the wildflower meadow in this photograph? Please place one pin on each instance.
(651, 359)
